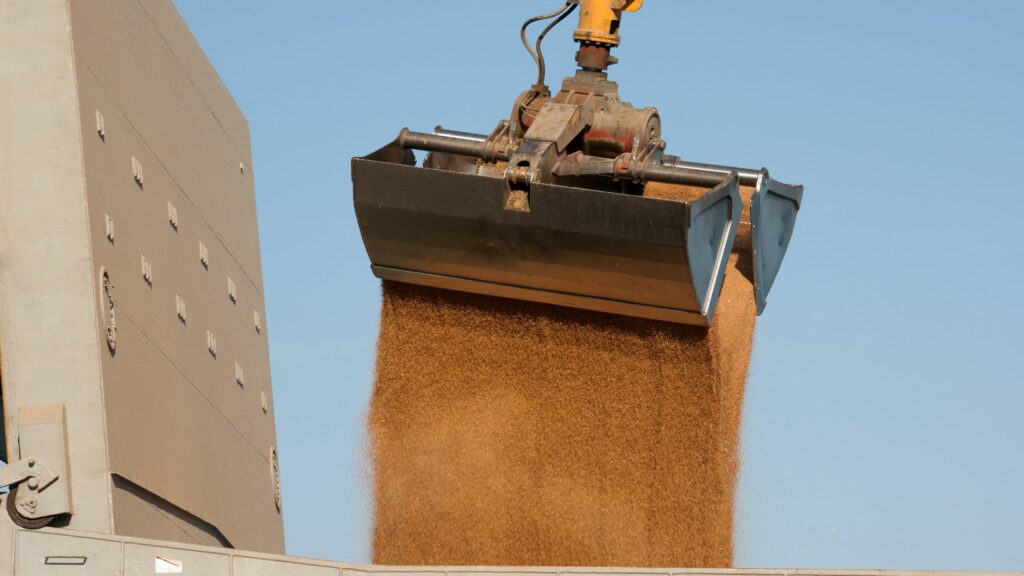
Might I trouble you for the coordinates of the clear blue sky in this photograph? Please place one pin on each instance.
(884, 420)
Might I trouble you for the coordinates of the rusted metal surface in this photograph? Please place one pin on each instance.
(594, 56)
(571, 246)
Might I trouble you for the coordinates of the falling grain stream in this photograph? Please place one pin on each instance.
(518, 434)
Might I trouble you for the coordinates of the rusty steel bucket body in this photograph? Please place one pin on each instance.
(582, 248)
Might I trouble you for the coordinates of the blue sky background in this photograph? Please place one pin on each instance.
(883, 425)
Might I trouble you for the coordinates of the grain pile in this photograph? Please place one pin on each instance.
(511, 433)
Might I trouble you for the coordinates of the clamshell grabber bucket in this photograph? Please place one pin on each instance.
(577, 247)
(556, 204)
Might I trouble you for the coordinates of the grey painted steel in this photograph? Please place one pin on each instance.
(49, 552)
(773, 211)
(580, 248)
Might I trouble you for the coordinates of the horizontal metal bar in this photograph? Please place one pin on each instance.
(673, 174)
(442, 131)
(542, 296)
(442, 143)
(748, 177)
(674, 171)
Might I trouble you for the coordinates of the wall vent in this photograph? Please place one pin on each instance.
(211, 343)
(204, 256)
(147, 270)
(110, 227)
(182, 310)
(101, 126)
(137, 173)
(172, 216)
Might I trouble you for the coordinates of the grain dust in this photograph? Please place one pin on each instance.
(519, 434)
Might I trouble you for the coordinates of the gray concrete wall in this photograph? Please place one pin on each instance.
(49, 341)
(124, 156)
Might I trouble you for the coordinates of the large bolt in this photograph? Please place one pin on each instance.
(33, 483)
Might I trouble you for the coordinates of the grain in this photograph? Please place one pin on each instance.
(512, 433)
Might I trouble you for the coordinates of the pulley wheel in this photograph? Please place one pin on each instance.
(22, 521)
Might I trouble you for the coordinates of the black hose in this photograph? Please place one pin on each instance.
(538, 59)
(541, 66)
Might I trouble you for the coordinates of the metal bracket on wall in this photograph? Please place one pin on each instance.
(40, 481)
(4, 457)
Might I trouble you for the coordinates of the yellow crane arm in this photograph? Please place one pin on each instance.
(599, 20)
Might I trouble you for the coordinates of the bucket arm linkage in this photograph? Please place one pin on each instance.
(40, 486)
